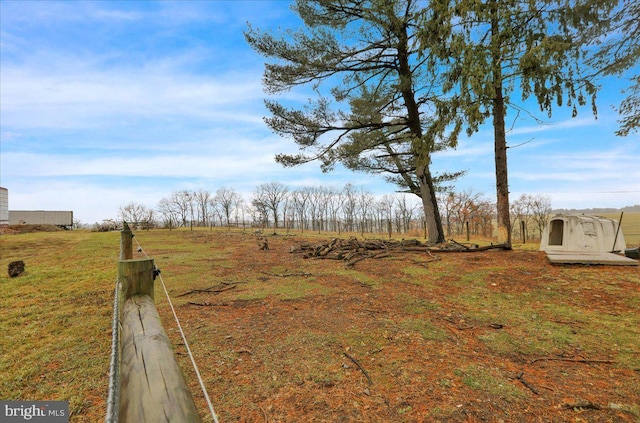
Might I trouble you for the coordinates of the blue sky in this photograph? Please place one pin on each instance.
(104, 103)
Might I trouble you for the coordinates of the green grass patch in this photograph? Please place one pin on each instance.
(490, 382)
(534, 340)
(354, 275)
(283, 288)
(56, 316)
(425, 276)
(426, 329)
(613, 335)
(413, 305)
(363, 342)
(321, 349)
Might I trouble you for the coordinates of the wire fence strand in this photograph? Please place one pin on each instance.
(184, 339)
(113, 400)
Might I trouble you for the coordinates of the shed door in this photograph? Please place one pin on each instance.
(556, 232)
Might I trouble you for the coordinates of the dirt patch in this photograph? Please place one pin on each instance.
(470, 337)
(27, 229)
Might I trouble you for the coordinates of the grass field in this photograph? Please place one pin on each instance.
(630, 227)
(447, 338)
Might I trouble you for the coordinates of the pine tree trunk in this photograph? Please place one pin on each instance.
(500, 140)
(502, 180)
(421, 149)
(435, 231)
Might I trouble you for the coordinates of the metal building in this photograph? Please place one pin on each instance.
(4, 206)
(41, 217)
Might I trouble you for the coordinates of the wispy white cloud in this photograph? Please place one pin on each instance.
(554, 126)
(467, 149)
(110, 13)
(196, 166)
(52, 98)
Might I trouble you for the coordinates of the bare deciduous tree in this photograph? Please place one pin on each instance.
(227, 200)
(269, 197)
(179, 206)
(135, 213)
(540, 211)
(202, 199)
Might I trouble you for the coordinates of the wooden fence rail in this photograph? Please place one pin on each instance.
(151, 387)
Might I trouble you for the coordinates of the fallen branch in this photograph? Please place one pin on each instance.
(462, 245)
(264, 413)
(287, 275)
(471, 250)
(573, 360)
(520, 377)
(359, 367)
(423, 249)
(354, 260)
(210, 290)
(433, 258)
(583, 405)
(205, 304)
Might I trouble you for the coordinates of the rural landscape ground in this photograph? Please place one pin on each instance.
(409, 336)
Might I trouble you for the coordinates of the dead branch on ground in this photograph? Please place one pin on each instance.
(573, 360)
(212, 289)
(287, 275)
(582, 404)
(359, 367)
(520, 377)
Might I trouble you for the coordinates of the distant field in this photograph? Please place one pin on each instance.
(630, 227)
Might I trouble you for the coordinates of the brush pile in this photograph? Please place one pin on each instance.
(353, 250)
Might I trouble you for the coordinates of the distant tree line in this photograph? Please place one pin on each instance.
(602, 210)
(322, 208)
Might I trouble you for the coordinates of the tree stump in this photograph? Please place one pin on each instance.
(263, 245)
(16, 268)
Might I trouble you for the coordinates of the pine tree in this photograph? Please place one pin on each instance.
(618, 51)
(379, 105)
(494, 48)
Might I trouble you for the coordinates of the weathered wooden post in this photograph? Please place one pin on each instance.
(152, 386)
(136, 277)
(126, 244)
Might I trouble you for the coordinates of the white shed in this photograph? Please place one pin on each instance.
(584, 239)
(581, 233)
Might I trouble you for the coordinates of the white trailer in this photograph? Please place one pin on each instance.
(41, 217)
